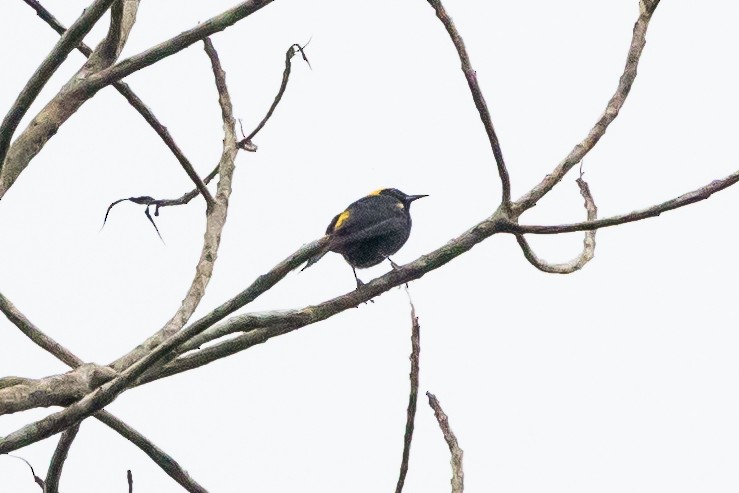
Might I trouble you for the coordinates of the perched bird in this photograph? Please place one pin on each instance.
(370, 229)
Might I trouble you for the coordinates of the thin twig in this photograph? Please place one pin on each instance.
(36, 479)
(246, 142)
(576, 155)
(57, 460)
(48, 67)
(588, 249)
(451, 441)
(129, 479)
(477, 96)
(696, 195)
(412, 397)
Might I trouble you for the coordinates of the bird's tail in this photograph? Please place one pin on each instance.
(313, 260)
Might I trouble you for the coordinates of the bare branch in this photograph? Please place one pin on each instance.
(260, 327)
(588, 250)
(50, 64)
(216, 219)
(697, 195)
(139, 105)
(451, 440)
(129, 479)
(38, 337)
(276, 322)
(69, 99)
(246, 142)
(412, 398)
(161, 458)
(175, 44)
(477, 96)
(57, 460)
(615, 104)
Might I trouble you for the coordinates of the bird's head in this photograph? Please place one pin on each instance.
(397, 194)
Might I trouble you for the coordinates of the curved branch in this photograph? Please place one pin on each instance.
(246, 142)
(588, 250)
(638, 40)
(477, 96)
(696, 195)
(216, 219)
(49, 65)
(57, 460)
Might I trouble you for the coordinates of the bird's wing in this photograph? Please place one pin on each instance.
(350, 234)
(332, 225)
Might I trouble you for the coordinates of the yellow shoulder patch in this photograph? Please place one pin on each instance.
(376, 192)
(342, 217)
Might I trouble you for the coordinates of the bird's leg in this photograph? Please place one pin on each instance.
(395, 267)
(359, 281)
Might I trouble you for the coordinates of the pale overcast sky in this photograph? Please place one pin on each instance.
(620, 378)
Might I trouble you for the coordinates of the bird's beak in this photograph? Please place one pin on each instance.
(411, 198)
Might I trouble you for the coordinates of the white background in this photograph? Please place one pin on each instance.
(622, 377)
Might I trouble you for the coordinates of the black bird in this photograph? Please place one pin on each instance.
(370, 229)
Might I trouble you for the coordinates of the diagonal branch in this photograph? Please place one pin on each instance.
(35, 334)
(451, 440)
(477, 96)
(412, 398)
(43, 73)
(276, 322)
(160, 457)
(588, 250)
(638, 40)
(216, 219)
(696, 195)
(57, 460)
(175, 44)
